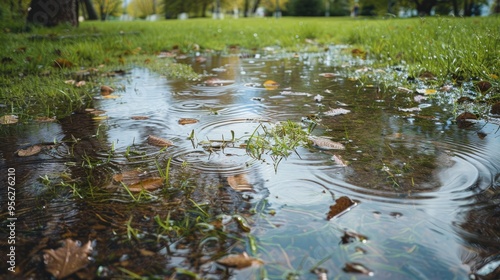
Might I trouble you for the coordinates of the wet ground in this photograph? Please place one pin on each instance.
(424, 189)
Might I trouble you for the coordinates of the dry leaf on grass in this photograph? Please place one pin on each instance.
(67, 259)
(8, 119)
(159, 142)
(149, 184)
(239, 261)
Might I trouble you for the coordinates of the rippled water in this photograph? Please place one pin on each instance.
(426, 190)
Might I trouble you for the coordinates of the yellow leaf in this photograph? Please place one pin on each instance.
(110, 96)
(270, 84)
(100, 118)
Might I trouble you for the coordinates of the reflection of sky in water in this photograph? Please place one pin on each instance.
(410, 231)
(405, 229)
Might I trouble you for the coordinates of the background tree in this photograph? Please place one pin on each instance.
(108, 8)
(305, 7)
(88, 10)
(53, 12)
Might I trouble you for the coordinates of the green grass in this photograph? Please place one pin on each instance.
(32, 79)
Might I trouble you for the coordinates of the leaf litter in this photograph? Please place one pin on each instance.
(67, 259)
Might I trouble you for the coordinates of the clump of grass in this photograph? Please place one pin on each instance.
(276, 141)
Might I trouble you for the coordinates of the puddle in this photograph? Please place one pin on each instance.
(426, 190)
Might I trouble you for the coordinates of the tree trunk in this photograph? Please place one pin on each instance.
(53, 12)
(91, 13)
(246, 11)
(255, 6)
(455, 8)
(424, 8)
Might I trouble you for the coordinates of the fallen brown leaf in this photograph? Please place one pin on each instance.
(106, 90)
(341, 205)
(68, 259)
(239, 261)
(160, 142)
(149, 184)
(184, 121)
(30, 151)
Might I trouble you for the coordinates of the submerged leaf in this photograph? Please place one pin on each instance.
(67, 259)
(326, 144)
(338, 161)
(357, 268)
(342, 204)
(239, 261)
(148, 184)
(160, 142)
(30, 151)
(239, 182)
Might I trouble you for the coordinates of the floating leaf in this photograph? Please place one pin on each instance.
(426, 91)
(30, 151)
(67, 259)
(106, 90)
(329, 75)
(160, 142)
(148, 184)
(357, 268)
(138, 118)
(239, 182)
(336, 112)
(326, 144)
(270, 85)
(287, 92)
(342, 204)
(184, 121)
(412, 109)
(239, 261)
(100, 118)
(8, 119)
